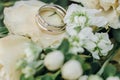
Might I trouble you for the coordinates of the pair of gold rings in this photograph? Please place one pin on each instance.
(46, 26)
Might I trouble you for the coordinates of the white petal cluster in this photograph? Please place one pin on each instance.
(113, 78)
(81, 17)
(110, 10)
(29, 63)
(97, 44)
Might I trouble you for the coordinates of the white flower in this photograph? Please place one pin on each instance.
(104, 43)
(97, 43)
(72, 70)
(76, 50)
(80, 17)
(113, 78)
(107, 4)
(28, 71)
(90, 45)
(88, 3)
(32, 52)
(75, 45)
(113, 19)
(87, 33)
(54, 60)
(110, 10)
(71, 30)
(95, 54)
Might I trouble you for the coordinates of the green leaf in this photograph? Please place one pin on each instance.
(49, 1)
(22, 77)
(110, 70)
(63, 3)
(64, 47)
(68, 56)
(45, 77)
(86, 66)
(48, 50)
(116, 34)
(95, 67)
(3, 31)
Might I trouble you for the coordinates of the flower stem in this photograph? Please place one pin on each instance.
(56, 74)
(110, 56)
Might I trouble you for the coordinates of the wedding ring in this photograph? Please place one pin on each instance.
(47, 27)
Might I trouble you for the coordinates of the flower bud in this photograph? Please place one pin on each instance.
(54, 60)
(72, 70)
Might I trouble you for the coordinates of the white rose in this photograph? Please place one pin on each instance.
(20, 19)
(107, 4)
(12, 48)
(54, 60)
(89, 3)
(72, 70)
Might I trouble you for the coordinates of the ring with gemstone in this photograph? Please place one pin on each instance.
(50, 19)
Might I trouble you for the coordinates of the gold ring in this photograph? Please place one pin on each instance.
(46, 26)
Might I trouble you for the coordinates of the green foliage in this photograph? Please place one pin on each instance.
(110, 70)
(3, 31)
(23, 78)
(64, 47)
(116, 34)
(63, 3)
(49, 1)
(46, 77)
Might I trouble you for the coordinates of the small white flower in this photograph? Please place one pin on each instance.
(98, 43)
(90, 45)
(76, 50)
(104, 44)
(95, 54)
(113, 78)
(87, 33)
(32, 52)
(82, 17)
(71, 30)
(72, 70)
(54, 60)
(28, 71)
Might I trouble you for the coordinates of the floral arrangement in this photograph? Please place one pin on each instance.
(89, 51)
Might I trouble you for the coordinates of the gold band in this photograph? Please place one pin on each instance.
(53, 29)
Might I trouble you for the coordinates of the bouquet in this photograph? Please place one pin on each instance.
(87, 50)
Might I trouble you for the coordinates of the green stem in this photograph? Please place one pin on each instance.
(56, 74)
(41, 67)
(110, 56)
